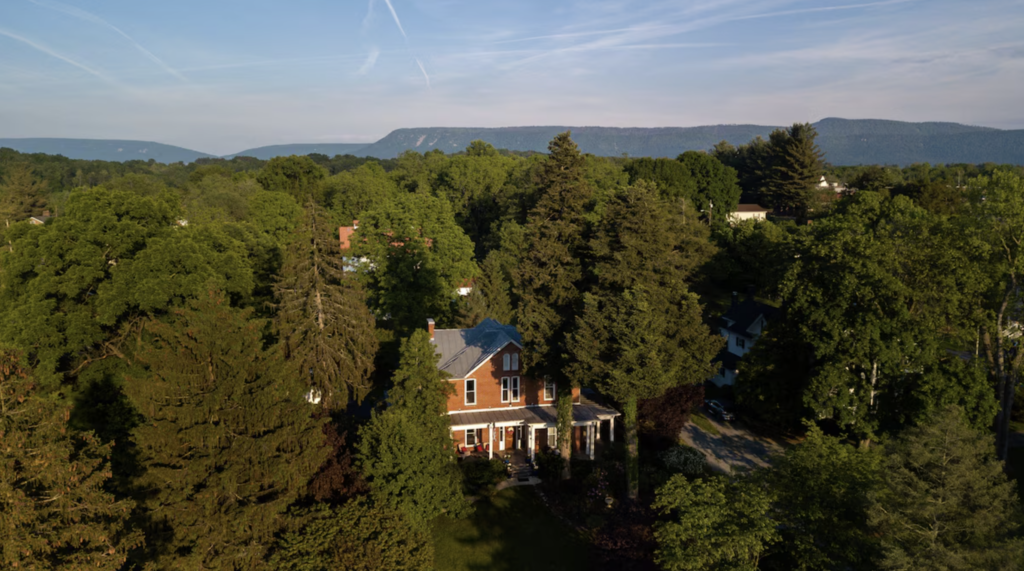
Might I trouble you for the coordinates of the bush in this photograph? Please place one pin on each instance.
(480, 476)
(684, 460)
(549, 466)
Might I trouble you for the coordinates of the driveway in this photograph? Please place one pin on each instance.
(734, 448)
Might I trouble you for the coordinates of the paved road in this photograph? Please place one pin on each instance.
(736, 447)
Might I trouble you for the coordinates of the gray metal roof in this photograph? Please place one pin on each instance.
(535, 415)
(463, 350)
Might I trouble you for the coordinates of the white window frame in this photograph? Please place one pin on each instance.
(515, 389)
(741, 342)
(466, 392)
(515, 361)
(505, 359)
(553, 387)
(476, 437)
(506, 390)
(552, 437)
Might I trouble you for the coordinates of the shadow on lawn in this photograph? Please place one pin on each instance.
(510, 530)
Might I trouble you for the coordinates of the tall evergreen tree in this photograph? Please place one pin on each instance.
(406, 451)
(325, 327)
(945, 502)
(227, 441)
(54, 510)
(796, 168)
(641, 331)
(550, 277)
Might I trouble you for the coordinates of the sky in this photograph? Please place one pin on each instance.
(220, 76)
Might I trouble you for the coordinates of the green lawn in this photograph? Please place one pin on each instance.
(703, 423)
(512, 530)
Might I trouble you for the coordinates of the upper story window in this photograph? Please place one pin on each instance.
(515, 389)
(741, 342)
(506, 389)
(470, 392)
(549, 390)
(510, 362)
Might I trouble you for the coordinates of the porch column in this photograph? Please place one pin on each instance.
(590, 440)
(533, 432)
(490, 441)
(597, 429)
(611, 429)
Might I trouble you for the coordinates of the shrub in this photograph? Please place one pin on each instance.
(684, 460)
(480, 476)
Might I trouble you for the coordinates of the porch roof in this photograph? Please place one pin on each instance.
(533, 415)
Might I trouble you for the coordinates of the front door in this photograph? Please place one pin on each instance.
(501, 437)
(518, 442)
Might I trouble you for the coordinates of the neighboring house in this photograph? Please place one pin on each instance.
(496, 407)
(741, 325)
(748, 212)
(40, 219)
(345, 242)
(836, 187)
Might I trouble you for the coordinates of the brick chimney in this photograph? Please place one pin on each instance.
(430, 328)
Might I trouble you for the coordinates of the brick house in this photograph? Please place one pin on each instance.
(496, 407)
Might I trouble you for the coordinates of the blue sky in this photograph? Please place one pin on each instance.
(223, 75)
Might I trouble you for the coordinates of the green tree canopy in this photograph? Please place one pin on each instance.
(945, 502)
(406, 450)
(227, 441)
(711, 186)
(54, 510)
(357, 536)
(326, 331)
(300, 177)
(712, 524)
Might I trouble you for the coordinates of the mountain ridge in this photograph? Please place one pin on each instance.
(844, 142)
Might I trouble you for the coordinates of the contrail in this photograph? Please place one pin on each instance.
(425, 76)
(395, 16)
(54, 54)
(93, 18)
(371, 60)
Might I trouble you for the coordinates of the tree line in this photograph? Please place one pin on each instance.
(185, 347)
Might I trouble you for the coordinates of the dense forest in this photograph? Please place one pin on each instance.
(193, 374)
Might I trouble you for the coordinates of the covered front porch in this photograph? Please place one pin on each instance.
(528, 430)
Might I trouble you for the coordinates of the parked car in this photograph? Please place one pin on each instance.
(718, 409)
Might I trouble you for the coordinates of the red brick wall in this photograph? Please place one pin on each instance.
(488, 386)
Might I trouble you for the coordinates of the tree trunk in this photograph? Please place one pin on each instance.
(565, 431)
(632, 450)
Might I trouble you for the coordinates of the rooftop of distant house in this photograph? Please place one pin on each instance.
(742, 314)
(750, 208)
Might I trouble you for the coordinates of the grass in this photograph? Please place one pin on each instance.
(703, 423)
(511, 530)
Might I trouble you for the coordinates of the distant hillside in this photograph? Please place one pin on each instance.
(868, 141)
(105, 149)
(844, 141)
(603, 141)
(329, 149)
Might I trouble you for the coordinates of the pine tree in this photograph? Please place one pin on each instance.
(796, 168)
(641, 331)
(227, 441)
(21, 195)
(54, 511)
(358, 536)
(325, 328)
(406, 450)
(550, 279)
(945, 502)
